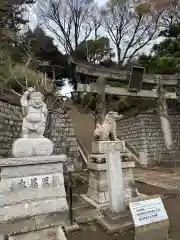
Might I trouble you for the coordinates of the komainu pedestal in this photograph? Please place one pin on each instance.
(32, 193)
(97, 193)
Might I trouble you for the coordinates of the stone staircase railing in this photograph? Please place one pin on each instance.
(133, 153)
(83, 152)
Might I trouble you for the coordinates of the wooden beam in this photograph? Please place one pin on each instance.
(122, 91)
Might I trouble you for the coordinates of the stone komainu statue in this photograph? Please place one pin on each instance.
(34, 113)
(107, 131)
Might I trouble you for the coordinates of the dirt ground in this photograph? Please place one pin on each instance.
(94, 231)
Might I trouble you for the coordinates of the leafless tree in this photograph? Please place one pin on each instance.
(96, 19)
(131, 26)
(171, 12)
(68, 20)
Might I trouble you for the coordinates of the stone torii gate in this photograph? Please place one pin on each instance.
(100, 87)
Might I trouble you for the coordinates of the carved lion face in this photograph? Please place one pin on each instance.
(98, 132)
(113, 115)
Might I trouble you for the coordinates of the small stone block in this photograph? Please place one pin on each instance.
(104, 146)
(158, 230)
(71, 228)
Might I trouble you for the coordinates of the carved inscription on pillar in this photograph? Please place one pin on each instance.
(37, 181)
(104, 146)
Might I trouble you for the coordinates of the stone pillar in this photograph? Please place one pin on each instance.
(115, 182)
(117, 216)
(164, 118)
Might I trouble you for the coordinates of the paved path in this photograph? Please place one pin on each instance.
(83, 126)
(167, 180)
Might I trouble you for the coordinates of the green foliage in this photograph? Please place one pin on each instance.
(142, 8)
(89, 100)
(85, 99)
(43, 49)
(20, 73)
(94, 50)
(11, 21)
(166, 55)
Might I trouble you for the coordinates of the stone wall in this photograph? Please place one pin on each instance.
(143, 133)
(63, 134)
(10, 126)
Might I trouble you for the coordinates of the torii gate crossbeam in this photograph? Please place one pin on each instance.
(123, 91)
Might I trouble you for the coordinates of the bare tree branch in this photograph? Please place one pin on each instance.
(69, 20)
(130, 25)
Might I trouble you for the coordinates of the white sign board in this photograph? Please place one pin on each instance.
(148, 211)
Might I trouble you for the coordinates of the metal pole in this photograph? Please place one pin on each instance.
(70, 197)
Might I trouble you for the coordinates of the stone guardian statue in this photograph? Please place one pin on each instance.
(107, 131)
(35, 114)
(33, 143)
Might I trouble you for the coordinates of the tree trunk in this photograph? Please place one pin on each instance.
(76, 35)
(119, 55)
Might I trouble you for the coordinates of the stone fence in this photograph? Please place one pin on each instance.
(63, 134)
(144, 134)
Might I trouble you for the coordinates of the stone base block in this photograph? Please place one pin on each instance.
(98, 184)
(33, 208)
(34, 223)
(115, 222)
(97, 196)
(97, 158)
(103, 167)
(27, 147)
(103, 146)
(158, 230)
(94, 203)
(101, 158)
